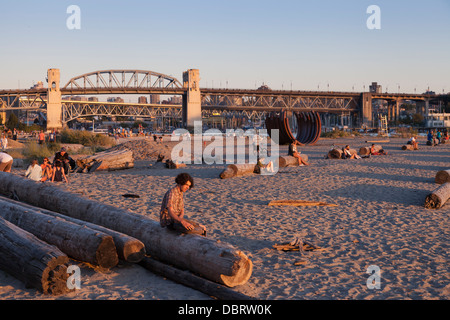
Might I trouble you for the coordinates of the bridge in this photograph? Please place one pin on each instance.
(196, 101)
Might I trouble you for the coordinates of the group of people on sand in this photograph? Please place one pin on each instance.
(438, 137)
(47, 171)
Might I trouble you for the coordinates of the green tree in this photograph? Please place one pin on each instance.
(12, 122)
(417, 118)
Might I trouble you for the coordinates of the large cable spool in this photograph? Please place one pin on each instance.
(303, 127)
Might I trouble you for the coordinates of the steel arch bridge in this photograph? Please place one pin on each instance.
(121, 79)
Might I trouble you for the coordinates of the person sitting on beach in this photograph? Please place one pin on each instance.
(374, 152)
(413, 142)
(346, 154)
(34, 171)
(172, 208)
(6, 162)
(4, 142)
(58, 173)
(63, 157)
(296, 154)
(264, 168)
(47, 170)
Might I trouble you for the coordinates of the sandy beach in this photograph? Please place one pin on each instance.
(379, 220)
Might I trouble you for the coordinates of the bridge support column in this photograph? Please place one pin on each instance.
(2, 113)
(366, 109)
(54, 107)
(192, 102)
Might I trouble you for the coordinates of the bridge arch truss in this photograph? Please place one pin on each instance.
(121, 79)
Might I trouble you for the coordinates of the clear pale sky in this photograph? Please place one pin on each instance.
(235, 43)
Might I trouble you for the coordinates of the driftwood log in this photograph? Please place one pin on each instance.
(34, 262)
(408, 147)
(78, 242)
(213, 260)
(336, 153)
(289, 161)
(237, 170)
(438, 197)
(106, 161)
(442, 176)
(364, 151)
(190, 280)
(128, 248)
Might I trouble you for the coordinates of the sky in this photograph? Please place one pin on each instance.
(298, 44)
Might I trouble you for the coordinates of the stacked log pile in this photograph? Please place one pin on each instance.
(31, 260)
(211, 260)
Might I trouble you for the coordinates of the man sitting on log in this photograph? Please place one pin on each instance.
(294, 153)
(172, 208)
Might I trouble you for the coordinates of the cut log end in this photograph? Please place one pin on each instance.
(442, 176)
(54, 277)
(133, 251)
(242, 271)
(438, 197)
(106, 254)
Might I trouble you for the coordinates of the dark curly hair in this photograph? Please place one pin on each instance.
(183, 178)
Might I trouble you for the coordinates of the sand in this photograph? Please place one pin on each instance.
(380, 221)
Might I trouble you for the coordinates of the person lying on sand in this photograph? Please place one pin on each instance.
(346, 154)
(172, 208)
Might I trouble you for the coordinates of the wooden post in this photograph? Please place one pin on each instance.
(128, 248)
(32, 261)
(78, 242)
(214, 260)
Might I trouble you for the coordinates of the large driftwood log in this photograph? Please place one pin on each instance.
(408, 147)
(78, 242)
(36, 263)
(364, 151)
(128, 248)
(192, 281)
(336, 153)
(438, 197)
(106, 161)
(442, 176)
(216, 261)
(237, 170)
(289, 161)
